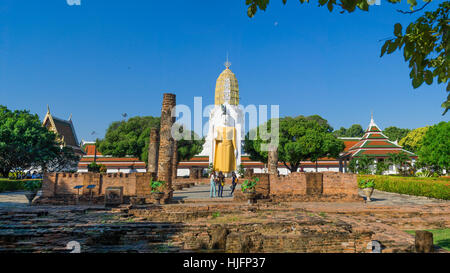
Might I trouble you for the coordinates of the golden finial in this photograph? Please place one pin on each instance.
(227, 63)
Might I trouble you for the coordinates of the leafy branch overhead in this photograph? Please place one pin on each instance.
(425, 42)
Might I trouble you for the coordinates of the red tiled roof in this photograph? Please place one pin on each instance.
(89, 149)
(110, 159)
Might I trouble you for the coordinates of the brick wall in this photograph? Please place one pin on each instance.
(127, 181)
(64, 183)
(323, 186)
(61, 183)
(294, 184)
(339, 183)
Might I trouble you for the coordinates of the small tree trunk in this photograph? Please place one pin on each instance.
(5, 172)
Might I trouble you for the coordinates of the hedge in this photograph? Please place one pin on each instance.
(435, 187)
(13, 185)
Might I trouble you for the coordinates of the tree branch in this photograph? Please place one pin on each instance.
(414, 11)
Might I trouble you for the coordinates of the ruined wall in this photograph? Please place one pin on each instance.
(339, 183)
(61, 183)
(125, 180)
(323, 186)
(64, 183)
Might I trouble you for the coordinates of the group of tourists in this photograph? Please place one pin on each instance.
(218, 182)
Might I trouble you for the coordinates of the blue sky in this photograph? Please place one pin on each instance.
(105, 58)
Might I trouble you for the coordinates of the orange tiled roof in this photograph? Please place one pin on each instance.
(89, 149)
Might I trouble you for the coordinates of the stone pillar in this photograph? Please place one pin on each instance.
(166, 141)
(272, 160)
(424, 241)
(153, 148)
(175, 160)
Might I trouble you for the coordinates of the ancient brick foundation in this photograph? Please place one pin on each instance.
(301, 186)
(58, 188)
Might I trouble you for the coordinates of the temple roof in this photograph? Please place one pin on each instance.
(376, 144)
(64, 129)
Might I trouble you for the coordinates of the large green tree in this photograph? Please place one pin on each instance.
(435, 146)
(128, 137)
(25, 143)
(131, 138)
(395, 133)
(300, 139)
(413, 140)
(353, 131)
(425, 42)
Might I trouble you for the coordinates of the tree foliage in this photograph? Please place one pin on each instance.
(395, 133)
(188, 148)
(300, 139)
(131, 138)
(25, 143)
(353, 131)
(435, 146)
(399, 160)
(412, 141)
(425, 42)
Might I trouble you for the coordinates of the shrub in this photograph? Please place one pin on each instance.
(249, 185)
(157, 186)
(420, 186)
(366, 183)
(18, 185)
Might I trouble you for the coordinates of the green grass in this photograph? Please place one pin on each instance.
(441, 237)
(13, 185)
(435, 187)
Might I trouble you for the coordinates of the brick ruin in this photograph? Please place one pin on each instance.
(166, 143)
(153, 149)
(301, 186)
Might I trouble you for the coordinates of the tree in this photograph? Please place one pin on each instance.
(364, 163)
(188, 148)
(381, 167)
(129, 137)
(65, 160)
(24, 142)
(300, 138)
(354, 131)
(425, 42)
(435, 146)
(395, 133)
(399, 160)
(361, 164)
(412, 141)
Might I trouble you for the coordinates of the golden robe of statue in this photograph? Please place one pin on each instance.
(224, 157)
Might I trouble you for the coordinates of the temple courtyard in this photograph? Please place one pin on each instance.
(193, 222)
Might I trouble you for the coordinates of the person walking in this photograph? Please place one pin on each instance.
(234, 181)
(212, 191)
(221, 184)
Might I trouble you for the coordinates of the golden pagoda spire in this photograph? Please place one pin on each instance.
(227, 88)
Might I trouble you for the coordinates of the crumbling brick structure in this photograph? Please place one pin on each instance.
(166, 142)
(60, 186)
(301, 186)
(153, 148)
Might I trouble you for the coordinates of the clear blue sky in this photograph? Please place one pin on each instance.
(105, 58)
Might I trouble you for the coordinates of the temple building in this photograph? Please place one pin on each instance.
(112, 164)
(64, 130)
(223, 146)
(375, 144)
